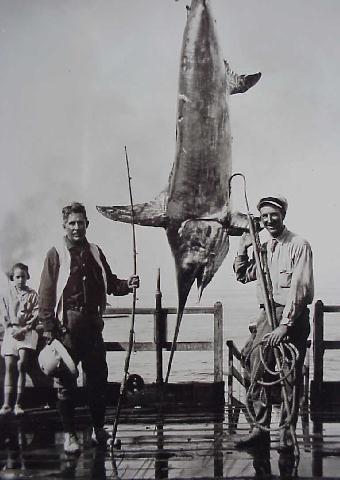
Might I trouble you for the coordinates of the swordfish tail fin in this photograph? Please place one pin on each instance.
(150, 214)
(240, 83)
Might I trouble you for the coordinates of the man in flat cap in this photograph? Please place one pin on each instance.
(290, 265)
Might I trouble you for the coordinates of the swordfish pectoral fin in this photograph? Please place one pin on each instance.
(150, 214)
(240, 83)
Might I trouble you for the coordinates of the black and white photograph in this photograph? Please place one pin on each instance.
(169, 225)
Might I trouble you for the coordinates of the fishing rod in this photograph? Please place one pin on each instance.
(263, 275)
(133, 312)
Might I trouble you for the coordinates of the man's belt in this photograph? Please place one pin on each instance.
(84, 308)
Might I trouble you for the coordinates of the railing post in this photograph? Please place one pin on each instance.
(159, 331)
(230, 386)
(318, 348)
(218, 342)
(230, 372)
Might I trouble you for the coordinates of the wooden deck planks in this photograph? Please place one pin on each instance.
(185, 446)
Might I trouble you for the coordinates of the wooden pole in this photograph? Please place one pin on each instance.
(218, 449)
(230, 386)
(158, 334)
(318, 350)
(218, 342)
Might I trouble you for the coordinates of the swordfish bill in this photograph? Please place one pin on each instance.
(194, 208)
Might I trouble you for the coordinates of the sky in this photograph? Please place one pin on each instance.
(80, 79)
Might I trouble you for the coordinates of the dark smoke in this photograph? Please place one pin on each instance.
(29, 228)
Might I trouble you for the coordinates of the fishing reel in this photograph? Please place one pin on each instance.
(134, 384)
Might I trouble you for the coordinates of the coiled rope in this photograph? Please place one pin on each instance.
(288, 355)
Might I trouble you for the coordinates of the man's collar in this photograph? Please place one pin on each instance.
(282, 235)
(70, 245)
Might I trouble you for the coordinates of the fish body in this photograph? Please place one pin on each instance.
(198, 184)
(202, 168)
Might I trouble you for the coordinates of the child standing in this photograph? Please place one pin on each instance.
(19, 316)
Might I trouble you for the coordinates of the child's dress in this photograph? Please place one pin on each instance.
(19, 308)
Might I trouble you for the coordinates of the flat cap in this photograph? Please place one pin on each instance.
(275, 201)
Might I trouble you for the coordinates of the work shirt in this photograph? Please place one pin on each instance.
(290, 264)
(19, 307)
(85, 286)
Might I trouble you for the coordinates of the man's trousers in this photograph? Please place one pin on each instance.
(84, 342)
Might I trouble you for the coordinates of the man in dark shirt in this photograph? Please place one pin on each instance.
(72, 297)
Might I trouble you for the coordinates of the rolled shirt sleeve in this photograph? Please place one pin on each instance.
(245, 268)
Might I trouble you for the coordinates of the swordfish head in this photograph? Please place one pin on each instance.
(199, 248)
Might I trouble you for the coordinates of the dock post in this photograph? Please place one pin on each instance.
(230, 387)
(218, 342)
(318, 349)
(218, 449)
(159, 331)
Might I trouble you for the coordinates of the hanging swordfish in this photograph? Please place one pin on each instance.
(195, 206)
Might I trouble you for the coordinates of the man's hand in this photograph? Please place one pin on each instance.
(275, 337)
(133, 281)
(245, 243)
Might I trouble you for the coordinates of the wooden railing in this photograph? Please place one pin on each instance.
(319, 344)
(159, 344)
(325, 395)
(235, 406)
(160, 341)
(233, 372)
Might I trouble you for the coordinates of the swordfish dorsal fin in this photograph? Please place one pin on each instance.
(149, 214)
(240, 83)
